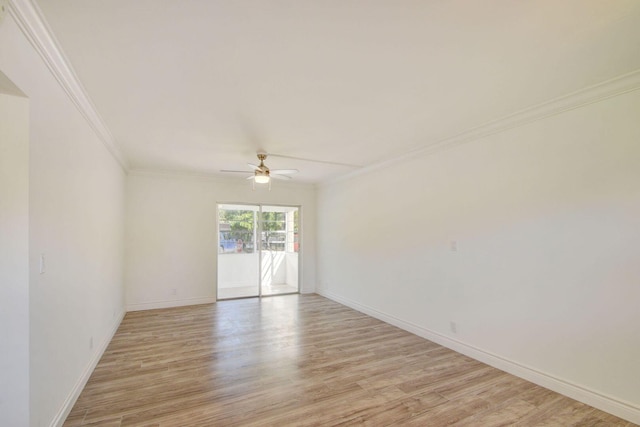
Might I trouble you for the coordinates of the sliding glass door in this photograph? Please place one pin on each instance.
(258, 250)
(279, 250)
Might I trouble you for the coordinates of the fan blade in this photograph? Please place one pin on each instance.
(254, 167)
(232, 171)
(276, 176)
(285, 171)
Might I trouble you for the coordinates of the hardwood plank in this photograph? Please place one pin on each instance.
(301, 360)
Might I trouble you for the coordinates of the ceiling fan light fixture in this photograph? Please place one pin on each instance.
(262, 179)
(261, 173)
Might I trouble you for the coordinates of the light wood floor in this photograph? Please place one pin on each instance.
(302, 360)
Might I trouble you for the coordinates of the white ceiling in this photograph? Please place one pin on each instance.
(201, 85)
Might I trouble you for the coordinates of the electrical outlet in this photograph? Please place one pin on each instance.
(454, 327)
(454, 246)
(174, 291)
(43, 265)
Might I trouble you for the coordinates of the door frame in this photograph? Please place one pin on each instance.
(258, 244)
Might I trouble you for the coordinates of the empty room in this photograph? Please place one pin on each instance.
(319, 213)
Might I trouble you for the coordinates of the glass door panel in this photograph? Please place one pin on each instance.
(279, 250)
(238, 255)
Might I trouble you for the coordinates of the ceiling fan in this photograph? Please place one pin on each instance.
(262, 174)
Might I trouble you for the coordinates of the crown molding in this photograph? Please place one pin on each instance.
(609, 88)
(31, 22)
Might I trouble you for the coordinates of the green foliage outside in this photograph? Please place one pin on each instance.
(241, 222)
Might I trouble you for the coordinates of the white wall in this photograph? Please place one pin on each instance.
(171, 234)
(76, 194)
(546, 218)
(14, 260)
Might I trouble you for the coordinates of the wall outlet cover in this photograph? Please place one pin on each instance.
(454, 327)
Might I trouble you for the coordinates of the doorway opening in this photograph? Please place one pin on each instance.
(258, 250)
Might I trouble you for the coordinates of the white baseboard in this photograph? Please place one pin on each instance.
(622, 409)
(169, 303)
(64, 411)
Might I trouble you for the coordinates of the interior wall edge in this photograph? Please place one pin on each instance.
(31, 22)
(14, 255)
(614, 406)
(71, 399)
